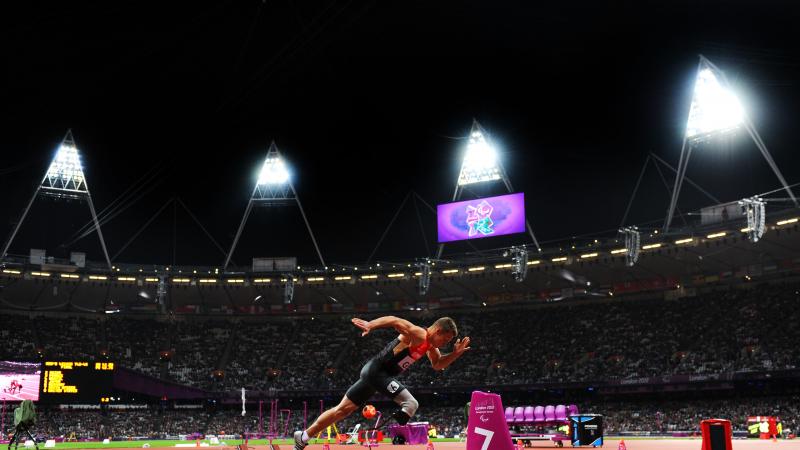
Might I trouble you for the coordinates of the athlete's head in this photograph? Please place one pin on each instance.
(442, 332)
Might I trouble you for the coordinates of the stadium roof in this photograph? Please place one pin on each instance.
(679, 264)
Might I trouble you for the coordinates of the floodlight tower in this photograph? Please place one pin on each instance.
(273, 188)
(481, 164)
(715, 111)
(64, 179)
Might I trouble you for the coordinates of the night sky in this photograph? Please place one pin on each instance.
(369, 101)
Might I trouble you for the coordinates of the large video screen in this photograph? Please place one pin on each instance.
(19, 380)
(77, 381)
(481, 218)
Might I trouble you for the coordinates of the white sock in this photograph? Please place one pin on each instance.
(305, 437)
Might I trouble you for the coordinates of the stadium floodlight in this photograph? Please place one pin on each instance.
(633, 245)
(273, 171)
(715, 109)
(273, 188)
(65, 172)
(480, 161)
(755, 211)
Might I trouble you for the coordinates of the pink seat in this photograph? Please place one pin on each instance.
(561, 413)
(528, 414)
(572, 410)
(519, 414)
(549, 413)
(538, 414)
(509, 414)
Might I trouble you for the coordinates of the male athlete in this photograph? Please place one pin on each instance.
(379, 373)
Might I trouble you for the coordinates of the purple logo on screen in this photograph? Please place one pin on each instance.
(482, 217)
(479, 219)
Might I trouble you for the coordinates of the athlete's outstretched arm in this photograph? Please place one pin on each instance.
(440, 362)
(402, 326)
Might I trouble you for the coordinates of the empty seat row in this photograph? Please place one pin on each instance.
(540, 415)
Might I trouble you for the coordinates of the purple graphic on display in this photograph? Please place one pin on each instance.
(482, 217)
(479, 218)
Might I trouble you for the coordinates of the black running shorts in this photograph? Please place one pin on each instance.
(373, 379)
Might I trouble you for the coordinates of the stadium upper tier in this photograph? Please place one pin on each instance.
(681, 260)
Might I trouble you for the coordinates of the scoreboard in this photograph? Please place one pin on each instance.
(76, 381)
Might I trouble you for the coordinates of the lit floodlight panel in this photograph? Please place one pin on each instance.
(480, 161)
(714, 108)
(65, 170)
(481, 218)
(273, 172)
(19, 380)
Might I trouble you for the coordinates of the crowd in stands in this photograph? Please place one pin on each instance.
(59, 336)
(714, 333)
(198, 346)
(137, 344)
(150, 422)
(672, 416)
(604, 340)
(16, 333)
(563, 342)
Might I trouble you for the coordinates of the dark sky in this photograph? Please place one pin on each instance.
(370, 100)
